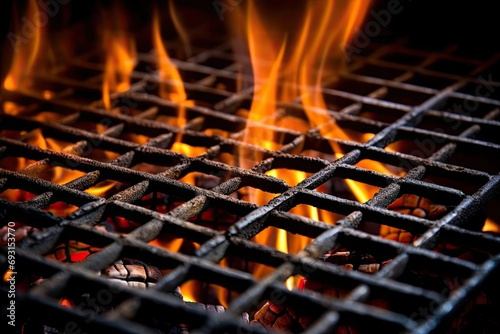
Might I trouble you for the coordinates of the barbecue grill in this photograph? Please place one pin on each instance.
(431, 114)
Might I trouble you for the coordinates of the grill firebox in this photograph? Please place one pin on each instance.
(430, 114)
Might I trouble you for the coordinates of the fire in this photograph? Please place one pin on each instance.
(47, 171)
(491, 226)
(48, 95)
(66, 302)
(315, 54)
(171, 86)
(324, 38)
(288, 61)
(27, 51)
(120, 62)
(8, 274)
(173, 90)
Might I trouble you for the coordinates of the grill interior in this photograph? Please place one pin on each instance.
(431, 114)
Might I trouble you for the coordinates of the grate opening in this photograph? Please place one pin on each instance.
(32, 274)
(381, 114)
(402, 58)
(436, 278)
(444, 124)
(455, 67)
(379, 72)
(482, 89)
(431, 81)
(217, 62)
(354, 86)
(468, 186)
(474, 159)
(354, 323)
(416, 145)
(488, 135)
(405, 97)
(335, 102)
(156, 318)
(467, 107)
(379, 300)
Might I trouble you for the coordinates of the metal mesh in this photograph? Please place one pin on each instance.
(431, 115)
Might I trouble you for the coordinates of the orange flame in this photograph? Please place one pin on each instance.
(120, 50)
(316, 54)
(166, 69)
(171, 86)
(27, 49)
(47, 171)
(491, 226)
(8, 274)
(326, 38)
(287, 63)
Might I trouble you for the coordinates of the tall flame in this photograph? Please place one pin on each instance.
(27, 49)
(325, 38)
(266, 96)
(287, 63)
(166, 69)
(171, 86)
(120, 50)
(29, 60)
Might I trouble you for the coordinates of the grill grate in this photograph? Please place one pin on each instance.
(386, 93)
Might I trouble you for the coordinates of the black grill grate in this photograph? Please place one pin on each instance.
(395, 93)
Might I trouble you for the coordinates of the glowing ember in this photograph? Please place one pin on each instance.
(8, 274)
(48, 95)
(66, 303)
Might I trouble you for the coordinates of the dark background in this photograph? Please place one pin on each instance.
(426, 23)
(472, 24)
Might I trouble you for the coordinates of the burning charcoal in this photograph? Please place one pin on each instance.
(283, 318)
(137, 274)
(349, 260)
(280, 318)
(72, 251)
(133, 273)
(21, 231)
(216, 309)
(421, 207)
(411, 205)
(418, 206)
(130, 272)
